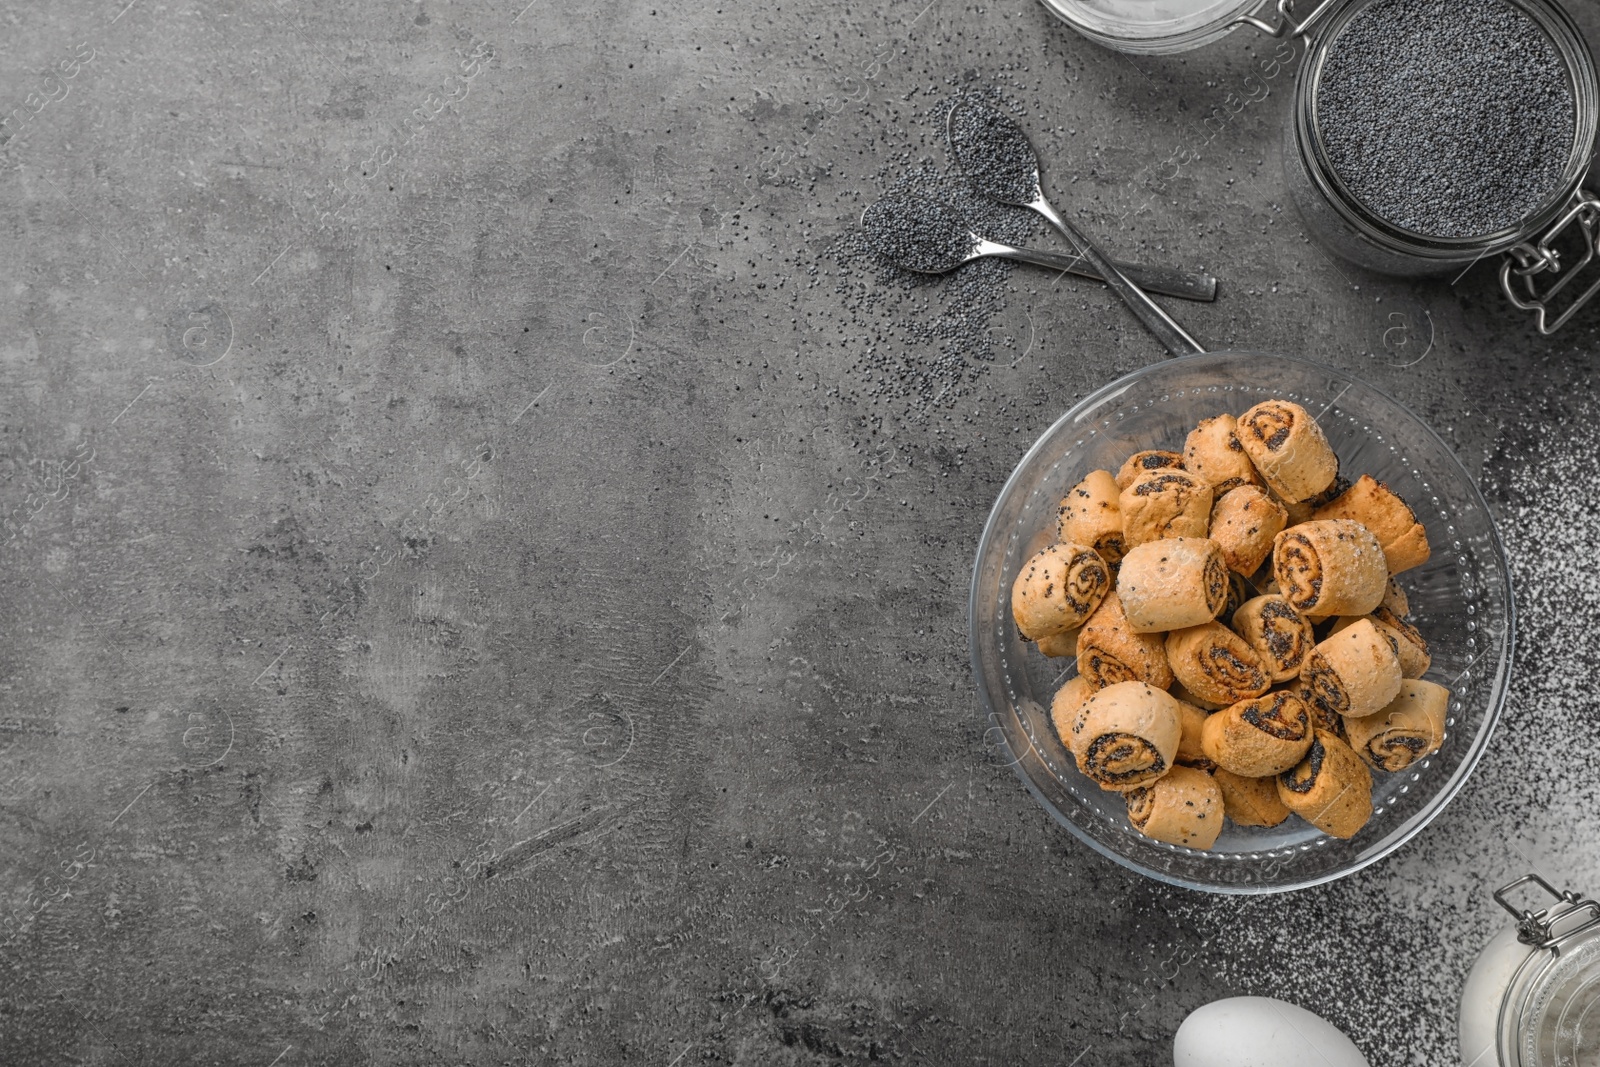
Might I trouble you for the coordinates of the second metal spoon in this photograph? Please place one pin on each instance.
(1183, 284)
(945, 242)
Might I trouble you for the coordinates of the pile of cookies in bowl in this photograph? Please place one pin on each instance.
(1240, 637)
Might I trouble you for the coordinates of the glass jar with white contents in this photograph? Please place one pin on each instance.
(1545, 237)
(1533, 997)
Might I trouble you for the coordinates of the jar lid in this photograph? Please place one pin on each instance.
(1152, 26)
(1551, 1013)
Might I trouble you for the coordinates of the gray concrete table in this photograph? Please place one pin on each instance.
(472, 594)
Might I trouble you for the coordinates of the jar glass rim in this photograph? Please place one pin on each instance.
(1581, 73)
(1208, 22)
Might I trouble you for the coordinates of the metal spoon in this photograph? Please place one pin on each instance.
(997, 155)
(945, 243)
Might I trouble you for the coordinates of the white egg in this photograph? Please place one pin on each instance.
(1261, 1032)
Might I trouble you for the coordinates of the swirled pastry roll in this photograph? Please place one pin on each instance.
(1331, 788)
(1259, 737)
(1378, 508)
(1089, 515)
(1172, 583)
(1183, 808)
(1066, 710)
(1409, 729)
(1355, 672)
(1408, 643)
(1280, 635)
(1164, 503)
(1058, 589)
(1149, 460)
(1244, 522)
(1128, 736)
(1213, 454)
(1190, 753)
(1288, 449)
(1250, 801)
(1329, 567)
(1216, 664)
(1109, 651)
(1059, 645)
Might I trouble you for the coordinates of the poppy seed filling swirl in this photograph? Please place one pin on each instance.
(1141, 805)
(1086, 582)
(1303, 777)
(1323, 681)
(1271, 425)
(1117, 757)
(1102, 669)
(1223, 666)
(1282, 634)
(1275, 721)
(1397, 748)
(1298, 564)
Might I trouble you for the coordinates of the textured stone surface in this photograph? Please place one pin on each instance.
(469, 603)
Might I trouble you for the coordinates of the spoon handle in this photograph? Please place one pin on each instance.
(1186, 285)
(1172, 336)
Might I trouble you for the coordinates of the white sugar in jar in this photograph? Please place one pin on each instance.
(1533, 997)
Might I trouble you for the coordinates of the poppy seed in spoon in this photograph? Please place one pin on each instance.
(995, 153)
(919, 234)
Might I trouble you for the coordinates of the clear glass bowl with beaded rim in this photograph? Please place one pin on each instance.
(1460, 600)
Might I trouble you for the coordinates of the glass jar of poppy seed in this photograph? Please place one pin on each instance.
(1426, 135)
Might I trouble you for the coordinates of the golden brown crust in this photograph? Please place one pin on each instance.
(1089, 515)
(1172, 583)
(1213, 454)
(1250, 801)
(1183, 808)
(1066, 710)
(1288, 449)
(1128, 736)
(1164, 502)
(1395, 599)
(1244, 523)
(1216, 664)
(1190, 753)
(1407, 641)
(1152, 459)
(1331, 788)
(1259, 737)
(1058, 589)
(1354, 672)
(1109, 651)
(1410, 728)
(1059, 645)
(1329, 567)
(1378, 508)
(1281, 636)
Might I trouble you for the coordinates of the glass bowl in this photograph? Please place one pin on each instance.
(1460, 600)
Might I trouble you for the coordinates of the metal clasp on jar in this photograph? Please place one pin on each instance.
(1286, 26)
(1524, 263)
(1547, 928)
